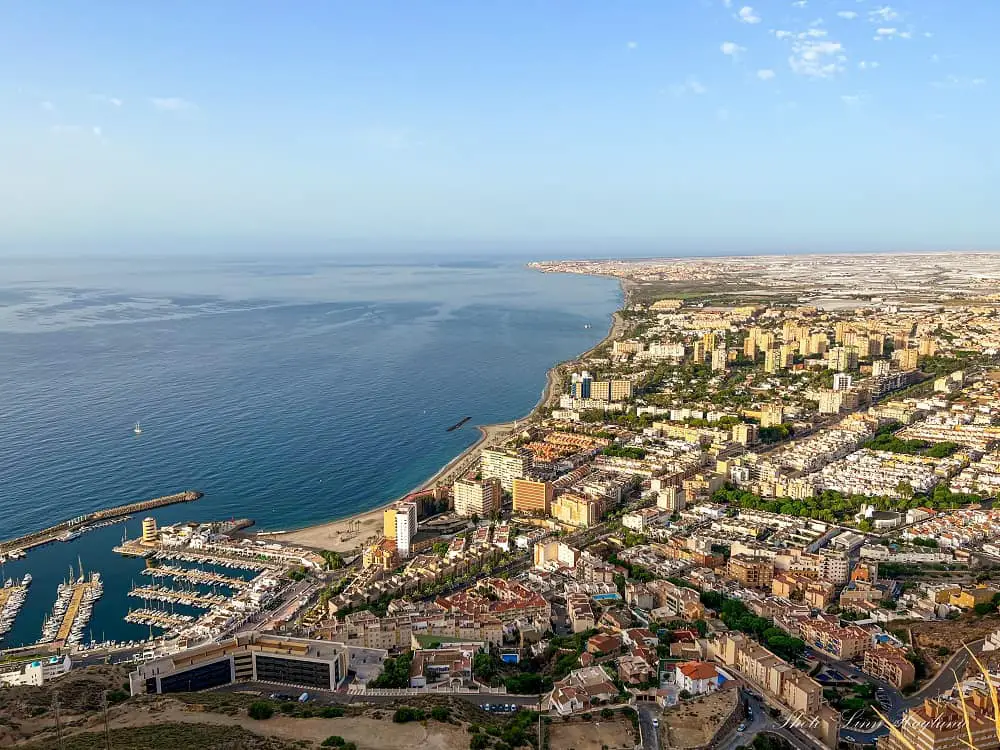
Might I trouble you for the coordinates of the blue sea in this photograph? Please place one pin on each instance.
(290, 391)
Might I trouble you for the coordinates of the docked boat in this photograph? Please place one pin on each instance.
(26, 581)
(137, 429)
(69, 536)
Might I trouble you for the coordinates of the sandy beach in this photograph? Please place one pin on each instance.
(339, 536)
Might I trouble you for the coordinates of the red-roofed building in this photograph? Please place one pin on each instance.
(697, 677)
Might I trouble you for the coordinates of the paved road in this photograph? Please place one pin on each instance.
(945, 679)
(650, 734)
(324, 697)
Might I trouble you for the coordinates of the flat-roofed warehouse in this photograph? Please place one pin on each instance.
(246, 657)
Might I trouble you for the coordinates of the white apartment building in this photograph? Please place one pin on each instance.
(406, 527)
(35, 672)
(505, 466)
(477, 497)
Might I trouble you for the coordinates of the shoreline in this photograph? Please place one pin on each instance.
(336, 534)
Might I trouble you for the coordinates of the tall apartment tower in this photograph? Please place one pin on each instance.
(505, 466)
(532, 497)
(406, 527)
(771, 415)
(479, 497)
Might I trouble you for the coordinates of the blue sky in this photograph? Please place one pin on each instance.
(661, 126)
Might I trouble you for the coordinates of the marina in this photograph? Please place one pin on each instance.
(12, 598)
(193, 575)
(72, 610)
(158, 619)
(168, 595)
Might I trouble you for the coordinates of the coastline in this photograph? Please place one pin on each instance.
(336, 535)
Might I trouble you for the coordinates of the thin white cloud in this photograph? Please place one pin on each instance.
(800, 4)
(48, 106)
(868, 65)
(891, 32)
(691, 86)
(172, 104)
(817, 58)
(727, 3)
(851, 100)
(114, 101)
(811, 34)
(883, 15)
(850, 15)
(732, 49)
(747, 15)
(783, 34)
(959, 82)
(722, 114)
(765, 74)
(632, 45)
(76, 130)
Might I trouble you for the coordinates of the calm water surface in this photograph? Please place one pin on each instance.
(290, 392)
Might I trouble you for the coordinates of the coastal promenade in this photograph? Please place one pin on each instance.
(350, 533)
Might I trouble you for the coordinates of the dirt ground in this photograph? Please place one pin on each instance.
(693, 723)
(615, 734)
(368, 734)
(928, 637)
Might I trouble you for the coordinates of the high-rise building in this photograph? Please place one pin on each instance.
(719, 360)
(830, 402)
(477, 497)
(505, 465)
(842, 358)
(786, 355)
(671, 499)
(406, 527)
(906, 358)
(746, 434)
(698, 352)
(709, 340)
(580, 384)
(842, 381)
(750, 347)
(927, 346)
(772, 361)
(771, 415)
(880, 367)
(149, 534)
(532, 497)
(578, 510)
(622, 390)
(389, 523)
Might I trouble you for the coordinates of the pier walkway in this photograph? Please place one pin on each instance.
(204, 577)
(189, 598)
(38, 538)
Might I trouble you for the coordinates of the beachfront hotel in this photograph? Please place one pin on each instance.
(507, 466)
(477, 497)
